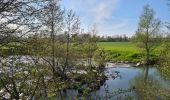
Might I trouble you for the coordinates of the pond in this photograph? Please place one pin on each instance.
(129, 82)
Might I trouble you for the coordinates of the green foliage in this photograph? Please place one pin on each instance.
(147, 36)
(100, 56)
(164, 59)
(149, 89)
(165, 62)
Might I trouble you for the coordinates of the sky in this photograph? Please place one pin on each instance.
(115, 17)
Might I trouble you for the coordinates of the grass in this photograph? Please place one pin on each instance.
(123, 51)
(119, 46)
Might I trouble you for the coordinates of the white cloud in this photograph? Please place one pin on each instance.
(104, 10)
(100, 13)
(98, 10)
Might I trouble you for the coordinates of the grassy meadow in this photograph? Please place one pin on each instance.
(122, 51)
(119, 46)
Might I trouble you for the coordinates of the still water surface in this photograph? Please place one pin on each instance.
(128, 77)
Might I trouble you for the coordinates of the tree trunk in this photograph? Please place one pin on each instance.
(147, 57)
(53, 41)
(146, 73)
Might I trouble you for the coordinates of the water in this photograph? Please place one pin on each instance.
(143, 81)
(128, 78)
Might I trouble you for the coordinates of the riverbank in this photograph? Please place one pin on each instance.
(117, 65)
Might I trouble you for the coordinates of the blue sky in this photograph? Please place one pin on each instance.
(114, 17)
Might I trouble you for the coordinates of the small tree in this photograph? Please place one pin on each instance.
(147, 35)
(91, 46)
(72, 25)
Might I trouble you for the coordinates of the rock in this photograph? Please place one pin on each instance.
(111, 62)
(2, 91)
(143, 62)
(21, 94)
(126, 62)
(138, 64)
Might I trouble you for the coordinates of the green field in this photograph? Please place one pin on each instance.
(119, 46)
(124, 51)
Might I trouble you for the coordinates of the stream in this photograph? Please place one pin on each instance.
(126, 84)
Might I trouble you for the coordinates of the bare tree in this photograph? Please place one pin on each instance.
(52, 20)
(92, 45)
(16, 15)
(18, 19)
(72, 24)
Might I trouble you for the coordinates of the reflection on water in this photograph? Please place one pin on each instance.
(146, 81)
(150, 85)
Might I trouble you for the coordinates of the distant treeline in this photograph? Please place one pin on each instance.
(74, 37)
(116, 38)
(82, 36)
